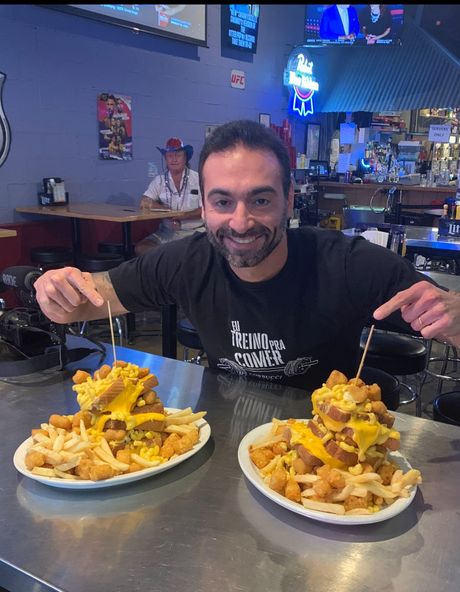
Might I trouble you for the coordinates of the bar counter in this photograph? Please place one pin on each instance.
(201, 526)
(359, 194)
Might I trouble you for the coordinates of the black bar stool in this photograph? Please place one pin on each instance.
(51, 257)
(399, 355)
(446, 408)
(111, 248)
(188, 337)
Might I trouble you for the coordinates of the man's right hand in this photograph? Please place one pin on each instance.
(67, 295)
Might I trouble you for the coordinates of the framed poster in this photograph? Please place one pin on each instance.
(115, 127)
(312, 150)
(265, 119)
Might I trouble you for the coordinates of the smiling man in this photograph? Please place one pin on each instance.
(271, 303)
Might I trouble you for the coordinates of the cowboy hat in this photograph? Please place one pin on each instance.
(176, 144)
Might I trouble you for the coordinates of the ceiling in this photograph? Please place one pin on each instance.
(441, 21)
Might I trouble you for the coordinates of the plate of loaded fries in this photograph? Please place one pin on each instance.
(341, 466)
(121, 433)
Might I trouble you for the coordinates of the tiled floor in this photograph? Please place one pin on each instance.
(149, 340)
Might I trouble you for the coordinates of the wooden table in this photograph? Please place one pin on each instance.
(125, 215)
(6, 232)
(202, 526)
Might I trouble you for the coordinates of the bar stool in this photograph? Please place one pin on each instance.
(446, 408)
(51, 257)
(399, 355)
(449, 363)
(111, 248)
(188, 337)
(389, 385)
(98, 263)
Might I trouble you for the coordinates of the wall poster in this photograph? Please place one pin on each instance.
(115, 126)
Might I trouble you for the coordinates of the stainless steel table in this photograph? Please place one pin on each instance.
(425, 241)
(446, 280)
(201, 526)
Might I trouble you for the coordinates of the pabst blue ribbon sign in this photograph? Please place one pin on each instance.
(5, 136)
(299, 77)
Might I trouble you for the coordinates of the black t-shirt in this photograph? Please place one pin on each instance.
(379, 26)
(294, 328)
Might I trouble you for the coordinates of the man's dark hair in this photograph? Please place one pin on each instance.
(251, 135)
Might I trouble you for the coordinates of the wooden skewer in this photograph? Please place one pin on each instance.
(111, 333)
(365, 352)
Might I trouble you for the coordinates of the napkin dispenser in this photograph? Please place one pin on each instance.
(54, 193)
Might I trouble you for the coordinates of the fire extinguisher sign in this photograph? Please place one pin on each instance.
(238, 79)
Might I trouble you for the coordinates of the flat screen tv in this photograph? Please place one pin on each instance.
(353, 24)
(184, 22)
(239, 26)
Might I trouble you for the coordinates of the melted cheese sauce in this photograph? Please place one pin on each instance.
(367, 430)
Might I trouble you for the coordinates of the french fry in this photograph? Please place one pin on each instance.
(44, 472)
(179, 429)
(323, 506)
(179, 420)
(143, 462)
(110, 460)
(63, 475)
(180, 413)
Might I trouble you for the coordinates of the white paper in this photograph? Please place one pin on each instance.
(343, 162)
(439, 133)
(376, 236)
(347, 133)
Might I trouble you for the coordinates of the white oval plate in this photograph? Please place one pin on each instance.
(250, 470)
(19, 456)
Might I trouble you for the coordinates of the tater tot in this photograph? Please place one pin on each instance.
(185, 443)
(34, 459)
(292, 490)
(278, 480)
(116, 435)
(280, 448)
(379, 407)
(336, 479)
(322, 488)
(336, 377)
(386, 473)
(300, 466)
(85, 416)
(83, 467)
(99, 472)
(124, 455)
(352, 501)
(133, 467)
(261, 457)
(103, 372)
(61, 421)
(80, 377)
(167, 450)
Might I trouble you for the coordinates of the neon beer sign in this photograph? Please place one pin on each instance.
(299, 77)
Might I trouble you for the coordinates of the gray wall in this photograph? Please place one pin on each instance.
(56, 64)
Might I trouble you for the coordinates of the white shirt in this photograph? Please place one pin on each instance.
(163, 191)
(343, 12)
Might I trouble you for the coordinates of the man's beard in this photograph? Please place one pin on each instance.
(248, 258)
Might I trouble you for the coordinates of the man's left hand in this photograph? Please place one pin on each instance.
(433, 312)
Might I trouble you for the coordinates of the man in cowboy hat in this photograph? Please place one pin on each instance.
(177, 189)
